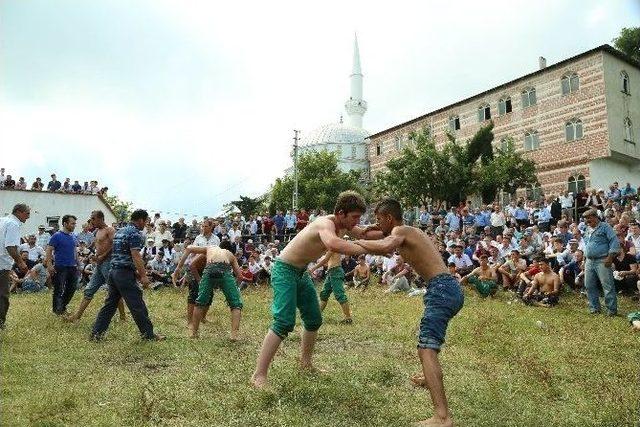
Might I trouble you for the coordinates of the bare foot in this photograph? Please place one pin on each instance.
(418, 380)
(123, 318)
(258, 382)
(157, 337)
(70, 319)
(193, 333)
(309, 368)
(234, 337)
(435, 421)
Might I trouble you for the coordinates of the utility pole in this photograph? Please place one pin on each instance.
(295, 169)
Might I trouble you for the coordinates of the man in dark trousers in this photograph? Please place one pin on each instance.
(61, 260)
(126, 264)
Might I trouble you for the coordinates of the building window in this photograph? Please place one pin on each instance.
(505, 142)
(528, 97)
(624, 80)
(454, 123)
(504, 106)
(531, 140)
(378, 149)
(576, 184)
(573, 130)
(570, 83)
(534, 192)
(353, 151)
(484, 112)
(628, 130)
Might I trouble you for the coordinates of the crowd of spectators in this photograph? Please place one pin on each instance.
(8, 182)
(489, 247)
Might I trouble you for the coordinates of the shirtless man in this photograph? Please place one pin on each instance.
(103, 245)
(483, 278)
(361, 274)
(443, 299)
(217, 275)
(293, 287)
(334, 282)
(545, 286)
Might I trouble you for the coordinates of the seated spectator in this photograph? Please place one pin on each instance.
(246, 277)
(463, 263)
(572, 274)
(361, 273)
(511, 270)
(34, 281)
(399, 277)
(254, 267)
(37, 185)
(35, 252)
(161, 233)
(54, 184)
(545, 288)
(85, 187)
(625, 274)
(149, 251)
(93, 187)
(88, 270)
(168, 251)
(453, 271)
(348, 265)
(484, 278)
(103, 191)
(526, 277)
(157, 270)
(86, 236)
(21, 184)
(9, 183)
(66, 185)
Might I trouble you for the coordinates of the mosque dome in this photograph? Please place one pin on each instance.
(335, 133)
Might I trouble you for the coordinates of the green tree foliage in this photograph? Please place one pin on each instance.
(629, 42)
(120, 208)
(248, 205)
(424, 174)
(319, 183)
(508, 171)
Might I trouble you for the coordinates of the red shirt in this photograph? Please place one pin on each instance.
(303, 220)
(267, 223)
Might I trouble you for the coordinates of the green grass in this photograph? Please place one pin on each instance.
(500, 368)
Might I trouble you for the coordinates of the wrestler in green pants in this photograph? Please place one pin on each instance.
(334, 282)
(293, 289)
(217, 276)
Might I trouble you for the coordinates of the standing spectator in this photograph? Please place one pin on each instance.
(86, 236)
(290, 222)
(161, 233)
(424, 218)
(601, 247)
(125, 261)
(37, 185)
(85, 187)
(193, 230)
(453, 220)
(179, 230)
(54, 184)
(21, 184)
(93, 187)
(497, 221)
(207, 238)
(278, 223)
(9, 183)
(303, 219)
(42, 238)
(556, 211)
(76, 187)
(9, 242)
(566, 203)
(267, 226)
(62, 248)
(234, 232)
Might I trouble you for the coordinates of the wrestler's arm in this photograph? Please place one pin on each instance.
(382, 246)
(235, 266)
(197, 265)
(370, 232)
(323, 261)
(335, 244)
(534, 285)
(556, 286)
(465, 279)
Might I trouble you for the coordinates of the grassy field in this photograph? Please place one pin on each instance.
(501, 369)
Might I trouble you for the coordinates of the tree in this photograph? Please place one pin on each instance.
(120, 208)
(248, 205)
(508, 171)
(424, 174)
(319, 183)
(629, 42)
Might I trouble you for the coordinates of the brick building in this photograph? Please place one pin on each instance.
(578, 119)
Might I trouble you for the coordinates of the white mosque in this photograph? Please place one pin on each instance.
(348, 140)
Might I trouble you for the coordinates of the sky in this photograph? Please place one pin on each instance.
(181, 106)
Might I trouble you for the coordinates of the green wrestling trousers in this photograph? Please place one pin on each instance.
(293, 289)
(632, 317)
(218, 276)
(334, 282)
(484, 287)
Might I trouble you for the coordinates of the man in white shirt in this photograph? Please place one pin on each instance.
(207, 237)
(498, 221)
(42, 238)
(35, 252)
(9, 253)
(162, 233)
(463, 263)
(234, 232)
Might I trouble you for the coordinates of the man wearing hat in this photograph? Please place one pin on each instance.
(42, 238)
(601, 247)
